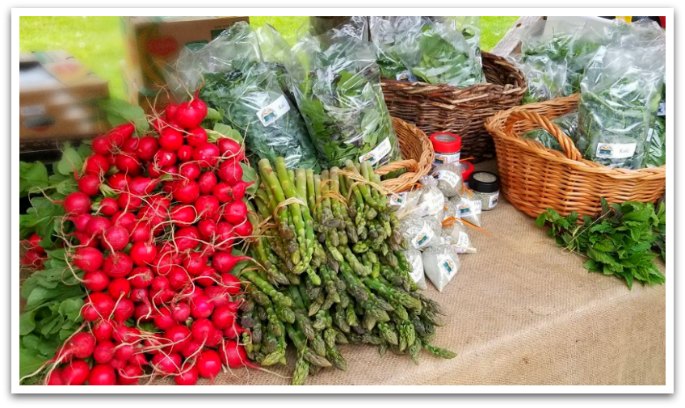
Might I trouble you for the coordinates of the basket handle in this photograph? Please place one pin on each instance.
(566, 143)
(409, 164)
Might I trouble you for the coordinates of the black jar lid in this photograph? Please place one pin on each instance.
(484, 182)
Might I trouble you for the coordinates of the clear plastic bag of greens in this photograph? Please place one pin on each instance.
(246, 91)
(441, 264)
(337, 87)
(567, 123)
(447, 57)
(655, 154)
(417, 274)
(620, 95)
(394, 40)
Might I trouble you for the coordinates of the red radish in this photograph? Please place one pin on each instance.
(207, 277)
(119, 287)
(194, 263)
(80, 345)
(184, 153)
(197, 137)
(238, 190)
(233, 332)
(190, 115)
(143, 253)
(230, 172)
(223, 192)
(124, 351)
(224, 235)
(77, 203)
(55, 378)
(89, 184)
(102, 330)
(235, 212)
(123, 310)
(104, 352)
(206, 155)
(167, 364)
(117, 364)
(143, 311)
(159, 284)
(223, 317)
(243, 229)
(233, 306)
(125, 219)
(186, 192)
(178, 337)
(88, 259)
(207, 207)
(231, 283)
(139, 294)
(95, 281)
(233, 355)
(141, 232)
(170, 139)
(89, 313)
(187, 377)
(108, 206)
(121, 133)
(102, 145)
(138, 360)
(117, 265)
(127, 164)
(209, 364)
(206, 182)
(86, 240)
(115, 238)
(201, 330)
(201, 307)
(170, 111)
(129, 375)
(80, 221)
(129, 202)
(180, 312)
(119, 181)
(224, 262)
(141, 277)
(218, 295)
(191, 349)
(97, 225)
(33, 258)
(190, 170)
(178, 278)
(131, 146)
(102, 302)
(163, 320)
(75, 373)
(186, 238)
(125, 334)
(96, 164)
(230, 149)
(164, 158)
(142, 185)
(102, 374)
(206, 229)
(147, 147)
(183, 215)
(214, 339)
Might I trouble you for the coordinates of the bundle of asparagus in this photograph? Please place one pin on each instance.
(332, 271)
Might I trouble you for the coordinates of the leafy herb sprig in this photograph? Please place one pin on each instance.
(619, 241)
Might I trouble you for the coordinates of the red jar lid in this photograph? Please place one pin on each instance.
(445, 142)
(466, 170)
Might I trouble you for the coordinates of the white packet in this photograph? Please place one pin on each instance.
(456, 236)
(417, 275)
(405, 202)
(469, 208)
(421, 232)
(432, 200)
(440, 264)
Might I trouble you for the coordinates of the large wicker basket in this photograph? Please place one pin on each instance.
(417, 152)
(534, 178)
(459, 110)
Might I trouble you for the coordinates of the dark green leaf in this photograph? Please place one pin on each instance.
(119, 112)
(32, 177)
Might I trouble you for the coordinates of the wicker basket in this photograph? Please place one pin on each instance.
(418, 157)
(459, 110)
(534, 178)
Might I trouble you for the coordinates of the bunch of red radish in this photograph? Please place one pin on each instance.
(34, 255)
(155, 221)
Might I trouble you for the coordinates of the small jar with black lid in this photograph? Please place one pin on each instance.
(485, 186)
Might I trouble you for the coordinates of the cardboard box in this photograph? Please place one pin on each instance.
(58, 99)
(150, 100)
(152, 43)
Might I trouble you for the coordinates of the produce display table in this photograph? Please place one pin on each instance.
(521, 311)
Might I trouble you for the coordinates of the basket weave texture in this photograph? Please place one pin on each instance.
(462, 111)
(417, 152)
(534, 178)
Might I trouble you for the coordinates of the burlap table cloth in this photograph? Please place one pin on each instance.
(520, 311)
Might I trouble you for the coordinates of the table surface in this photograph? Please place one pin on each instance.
(520, 311)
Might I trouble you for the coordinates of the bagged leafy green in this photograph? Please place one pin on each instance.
(567, 123)
(655, 154)
(248, 92)
(620, 95)
(336, 83)
(393, 38)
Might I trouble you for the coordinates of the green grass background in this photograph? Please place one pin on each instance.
(99, 44)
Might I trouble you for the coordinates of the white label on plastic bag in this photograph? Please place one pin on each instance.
(464, 209)
(446, 158)
(447, 265)
(615, 150)
(493, 200)
(378, 153)
(405, 76)
(448, 177)
(463, 242)
(423, 237)
(273, 111)
(398, 199)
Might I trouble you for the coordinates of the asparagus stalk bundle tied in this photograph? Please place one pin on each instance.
(332, 271)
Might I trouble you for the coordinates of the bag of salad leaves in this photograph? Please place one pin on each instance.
(336, 83)
(567, 123)
(394, 40)
(248, 93)
(620, 95)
